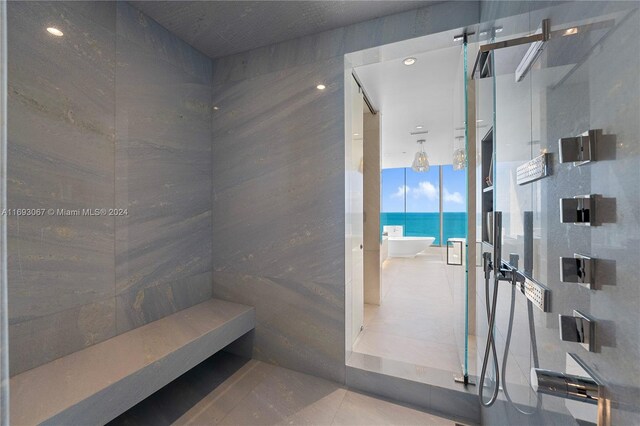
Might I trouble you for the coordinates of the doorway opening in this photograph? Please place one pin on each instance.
(408, 290)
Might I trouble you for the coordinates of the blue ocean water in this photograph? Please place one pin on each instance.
(428, 224)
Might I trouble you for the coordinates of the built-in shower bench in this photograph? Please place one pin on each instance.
(96, 384)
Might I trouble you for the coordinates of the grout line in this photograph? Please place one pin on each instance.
(333, 419)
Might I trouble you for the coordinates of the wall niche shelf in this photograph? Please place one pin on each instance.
(486, 152)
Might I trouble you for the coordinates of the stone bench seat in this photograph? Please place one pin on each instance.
(96, 384)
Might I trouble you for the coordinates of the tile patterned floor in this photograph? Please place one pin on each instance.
(415, 321)
(229, 390)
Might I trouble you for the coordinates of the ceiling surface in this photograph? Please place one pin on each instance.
(428, 94)
(220, 28)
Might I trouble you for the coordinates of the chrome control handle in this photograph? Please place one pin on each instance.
(569, 386)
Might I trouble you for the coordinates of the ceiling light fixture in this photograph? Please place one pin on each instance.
(321, 87)
(420, 161)
(56, 32)
(459, 154)
(409, 61)
(419, 127)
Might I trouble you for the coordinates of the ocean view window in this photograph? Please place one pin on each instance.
(412, 200)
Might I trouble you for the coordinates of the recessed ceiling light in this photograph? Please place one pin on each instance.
(56, 32)
(571, 31)
(409, 61)
(418, 127)
(479, 121)
(321, 87)
(216, 108)
(356, 134)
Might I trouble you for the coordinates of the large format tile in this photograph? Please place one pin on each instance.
(415, 321)
(288, 397)
(227, 389)
(45, 338)
(163, 172)
(360, 409)
(313, 342)
(116, 113)
(217, 404)
(406, 349)
(278, 212)
(203, 395)
(278, 179)
(60, 156)
(138, 307)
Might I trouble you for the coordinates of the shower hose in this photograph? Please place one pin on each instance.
(490, 347)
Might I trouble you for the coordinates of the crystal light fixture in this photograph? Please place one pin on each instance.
(459, 156)
(459, 159)
(421, 161)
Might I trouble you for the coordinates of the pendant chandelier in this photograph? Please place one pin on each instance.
(459, 155)
(421, 161)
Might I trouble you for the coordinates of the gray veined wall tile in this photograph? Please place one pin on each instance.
(278, 212)
(112, 114)
(299, 325)
(278, 181)
(280, 155)
(137, 307)
(44, 338)
(163, 169)
(60, 155)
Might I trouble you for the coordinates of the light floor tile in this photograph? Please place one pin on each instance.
(360, 409)
(288, 397)
(230, 390)
(420, 352)
(416, 321)
(216, 405)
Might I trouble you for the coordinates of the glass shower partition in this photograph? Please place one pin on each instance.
(458, 226)
(582, 78)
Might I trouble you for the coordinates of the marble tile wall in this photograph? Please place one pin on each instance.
(163, 172)
(279, 179)
(600, 93)
(278, 244)
(133, 132)
(114, 114)
(61, 132)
